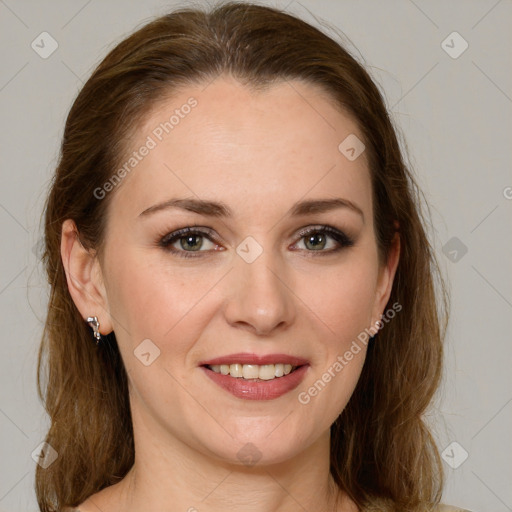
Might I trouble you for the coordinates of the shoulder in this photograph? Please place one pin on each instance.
(450, 508)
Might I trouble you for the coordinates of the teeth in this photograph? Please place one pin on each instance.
(253, 371)
(235, 370)
(250, 371)
(266, 372)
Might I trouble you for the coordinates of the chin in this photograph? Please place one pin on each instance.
(259, 449)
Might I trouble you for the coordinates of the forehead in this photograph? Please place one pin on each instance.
(224, 140)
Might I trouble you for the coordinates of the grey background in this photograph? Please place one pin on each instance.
(455, 114)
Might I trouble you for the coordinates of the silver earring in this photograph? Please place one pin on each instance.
(94, 323)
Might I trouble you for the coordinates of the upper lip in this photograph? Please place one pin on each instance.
(247, 358)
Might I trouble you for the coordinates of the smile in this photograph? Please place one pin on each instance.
(253, 371)
(249, 388)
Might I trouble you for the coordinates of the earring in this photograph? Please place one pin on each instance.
(94, 323)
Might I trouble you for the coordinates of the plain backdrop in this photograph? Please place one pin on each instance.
(454, 106)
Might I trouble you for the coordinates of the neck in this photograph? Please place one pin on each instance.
(169, 475)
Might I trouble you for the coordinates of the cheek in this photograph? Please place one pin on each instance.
(155, 298)
(344, 298)
(143, 300)
(344, 303)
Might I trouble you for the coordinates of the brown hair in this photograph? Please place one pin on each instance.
(382, 453)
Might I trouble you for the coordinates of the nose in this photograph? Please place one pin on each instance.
(259, 299)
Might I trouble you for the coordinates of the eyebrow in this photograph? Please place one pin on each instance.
(221, 210)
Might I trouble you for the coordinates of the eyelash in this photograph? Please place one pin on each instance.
(165, 242)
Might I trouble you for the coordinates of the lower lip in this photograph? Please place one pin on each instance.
(258, 389)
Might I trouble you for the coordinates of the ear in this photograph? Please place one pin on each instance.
(385, 280)
(84, 277)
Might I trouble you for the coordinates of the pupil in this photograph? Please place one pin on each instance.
(189, 242)
(314, 243)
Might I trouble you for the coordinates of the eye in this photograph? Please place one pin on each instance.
(187, 241)
(316, 239)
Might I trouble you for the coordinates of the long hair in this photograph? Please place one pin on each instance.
(382, 453)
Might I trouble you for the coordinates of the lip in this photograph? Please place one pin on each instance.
(248, 358)
(253, 389)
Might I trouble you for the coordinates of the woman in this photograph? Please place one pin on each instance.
(243, 312)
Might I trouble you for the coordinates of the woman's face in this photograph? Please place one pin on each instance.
(246, 280)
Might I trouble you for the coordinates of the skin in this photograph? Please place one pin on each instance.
(259, 153)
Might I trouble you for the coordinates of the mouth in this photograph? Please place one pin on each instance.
(253, 377)
(254, 372)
